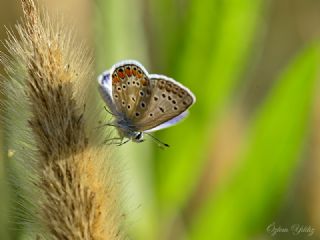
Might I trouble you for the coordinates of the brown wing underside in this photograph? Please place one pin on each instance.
(146, 102)
(168, 100)
(131, 90)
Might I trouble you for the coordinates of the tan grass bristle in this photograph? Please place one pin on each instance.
(78, 196)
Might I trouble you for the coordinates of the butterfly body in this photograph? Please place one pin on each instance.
(142, 102)
(126, 129)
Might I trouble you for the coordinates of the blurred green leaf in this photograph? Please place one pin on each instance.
(244, 206)
(119, 33)
(216, 45)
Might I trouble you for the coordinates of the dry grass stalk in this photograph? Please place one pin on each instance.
(77, 197)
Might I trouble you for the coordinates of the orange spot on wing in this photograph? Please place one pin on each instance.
(145, 82)
(128, 72)
(115, 80)
(139, 74)
(121, 74)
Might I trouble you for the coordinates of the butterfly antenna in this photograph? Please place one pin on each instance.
(162, 144)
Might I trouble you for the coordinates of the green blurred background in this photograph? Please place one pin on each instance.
(247, 159)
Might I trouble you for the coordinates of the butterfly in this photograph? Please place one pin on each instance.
(142, 102)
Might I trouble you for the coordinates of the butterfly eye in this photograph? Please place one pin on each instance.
(138, 137)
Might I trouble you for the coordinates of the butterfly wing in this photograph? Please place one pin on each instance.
(105, 89)
(169, 123)
(169, 99)
(131, 89)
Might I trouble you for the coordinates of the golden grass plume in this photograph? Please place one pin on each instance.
(75, 193)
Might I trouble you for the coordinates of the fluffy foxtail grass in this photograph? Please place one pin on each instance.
(74, 193)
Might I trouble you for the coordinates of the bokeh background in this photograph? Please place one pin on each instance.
(247, 159)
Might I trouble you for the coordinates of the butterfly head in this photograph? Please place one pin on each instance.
(138, 137)
(127, 130)
(132, 135)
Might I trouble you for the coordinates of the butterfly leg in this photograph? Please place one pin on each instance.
(111, 141)
(123, 142)
(106, 124)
